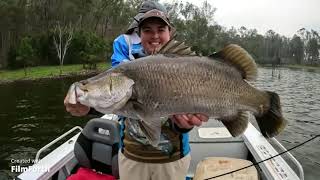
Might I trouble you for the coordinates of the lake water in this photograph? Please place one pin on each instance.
(32, 114)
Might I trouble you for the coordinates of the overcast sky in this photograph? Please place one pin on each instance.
(283, 16)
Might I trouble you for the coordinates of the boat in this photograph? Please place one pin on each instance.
(213, 150)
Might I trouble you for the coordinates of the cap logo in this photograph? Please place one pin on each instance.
(156, 13)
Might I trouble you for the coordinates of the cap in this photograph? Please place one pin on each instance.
(145, 7)
(155, 13)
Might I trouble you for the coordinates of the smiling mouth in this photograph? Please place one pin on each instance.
(155, 43)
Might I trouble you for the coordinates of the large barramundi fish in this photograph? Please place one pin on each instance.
(175, 81)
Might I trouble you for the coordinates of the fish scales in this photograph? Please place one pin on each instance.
(188, 84)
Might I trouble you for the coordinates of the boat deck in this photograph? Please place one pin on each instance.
(212, 139)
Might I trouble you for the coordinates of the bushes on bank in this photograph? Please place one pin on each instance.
(35, 50)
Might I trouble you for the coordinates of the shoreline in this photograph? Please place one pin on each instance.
(102, 67)
(39, 73)
(64, 75)
(293, 66)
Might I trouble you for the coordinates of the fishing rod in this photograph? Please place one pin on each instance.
(256, 163)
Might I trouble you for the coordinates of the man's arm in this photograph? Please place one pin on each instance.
(120, 51)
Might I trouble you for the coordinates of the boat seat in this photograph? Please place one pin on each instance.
(214, 166)
(97, 146)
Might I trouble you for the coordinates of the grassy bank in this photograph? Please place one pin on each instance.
(294, 66)
(72, 70)
(46, 72)
(312, 67)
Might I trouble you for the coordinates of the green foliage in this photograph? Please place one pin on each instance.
(26, 29)
(194, 25)
(312, 50)
(87, 48)
(296, 49)
(33, 51)
(24, 54)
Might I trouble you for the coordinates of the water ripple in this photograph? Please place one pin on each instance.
(24, 127)
(300, 99)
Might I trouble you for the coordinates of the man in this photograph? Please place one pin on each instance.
(143, 161)
(127, 47)
(139, 161)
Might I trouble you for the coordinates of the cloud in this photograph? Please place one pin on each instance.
(283, 16)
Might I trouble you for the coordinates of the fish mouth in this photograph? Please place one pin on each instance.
(80, 92)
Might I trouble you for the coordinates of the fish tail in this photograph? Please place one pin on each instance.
(271, 123)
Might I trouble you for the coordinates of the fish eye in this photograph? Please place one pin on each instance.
(84, 82)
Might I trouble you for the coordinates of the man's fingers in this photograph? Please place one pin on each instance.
(189, 120)
(65, 101)
(194, 120)
(202, 117)
(185, 117)
(78, 114)
(182, 121)
(68, 109)
(77, 109)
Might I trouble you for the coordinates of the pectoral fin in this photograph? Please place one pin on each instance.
(152, 130)
(150, 126)
(237, 125)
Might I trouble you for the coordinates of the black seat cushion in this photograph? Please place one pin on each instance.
(97, 146)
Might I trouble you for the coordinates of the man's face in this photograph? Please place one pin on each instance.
(154, 34)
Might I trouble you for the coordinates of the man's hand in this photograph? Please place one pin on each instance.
(76, 109)
(188, 121)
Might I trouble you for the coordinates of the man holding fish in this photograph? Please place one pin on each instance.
(166, 93)
(156, 92)
(139, 158)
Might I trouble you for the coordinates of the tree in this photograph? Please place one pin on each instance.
(87, 48)
(312, 48)
(62, 41)
(297, 49)
(195, 25)
(25, 54)
(12, 25)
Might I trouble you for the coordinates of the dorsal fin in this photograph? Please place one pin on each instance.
(240, 58)
(174, 47)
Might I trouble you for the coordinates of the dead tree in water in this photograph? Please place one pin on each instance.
(275, 64)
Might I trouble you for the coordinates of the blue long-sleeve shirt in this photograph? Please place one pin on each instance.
(126, 48)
